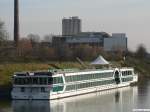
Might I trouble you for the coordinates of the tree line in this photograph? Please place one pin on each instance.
(32, 49)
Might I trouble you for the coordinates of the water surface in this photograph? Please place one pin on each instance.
(117, 100)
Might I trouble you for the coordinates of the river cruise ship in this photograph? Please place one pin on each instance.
(56, 84)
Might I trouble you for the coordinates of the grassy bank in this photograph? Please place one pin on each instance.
(142, 67)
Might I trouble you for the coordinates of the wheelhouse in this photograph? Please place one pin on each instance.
(36, 78)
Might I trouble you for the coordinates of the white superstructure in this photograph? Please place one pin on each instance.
(57, 84)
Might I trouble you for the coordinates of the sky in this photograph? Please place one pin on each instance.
(112, 16)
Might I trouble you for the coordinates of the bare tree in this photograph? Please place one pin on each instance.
(34, 38)
(141, 51)
(48, 38)
(24, 48)
(3, 33)
(86, 52)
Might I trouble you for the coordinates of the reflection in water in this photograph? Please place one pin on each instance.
(143, 98)
(30, 106)
(5, 106)
(117, 97)
(117, 100)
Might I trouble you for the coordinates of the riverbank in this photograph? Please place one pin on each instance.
(142, 67)
(7, 69)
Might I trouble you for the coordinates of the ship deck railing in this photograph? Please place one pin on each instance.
(60, 71)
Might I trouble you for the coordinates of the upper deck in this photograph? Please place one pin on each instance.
(53, 72)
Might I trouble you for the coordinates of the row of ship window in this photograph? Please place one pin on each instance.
(38, 80)
(125, 73)
(127, 79)
(57, 80)
(88, 76)
(42, 89)
(89, 84)
(82, 85)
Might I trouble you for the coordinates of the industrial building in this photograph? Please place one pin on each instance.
(84, 38)
(71, 26)
(72, 36)
(118, 41)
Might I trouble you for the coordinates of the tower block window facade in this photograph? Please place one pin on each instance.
(71, 26)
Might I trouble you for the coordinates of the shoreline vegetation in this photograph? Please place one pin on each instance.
(141, 67)
(139, 60)
(7, 69)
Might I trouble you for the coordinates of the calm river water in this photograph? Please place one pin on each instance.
(116, 100)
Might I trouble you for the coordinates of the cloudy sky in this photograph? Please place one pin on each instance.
(113, 16)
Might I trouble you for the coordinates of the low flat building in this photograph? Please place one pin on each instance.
(118, 41)
(84, 38)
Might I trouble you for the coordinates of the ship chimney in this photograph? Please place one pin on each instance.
(16, 22)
